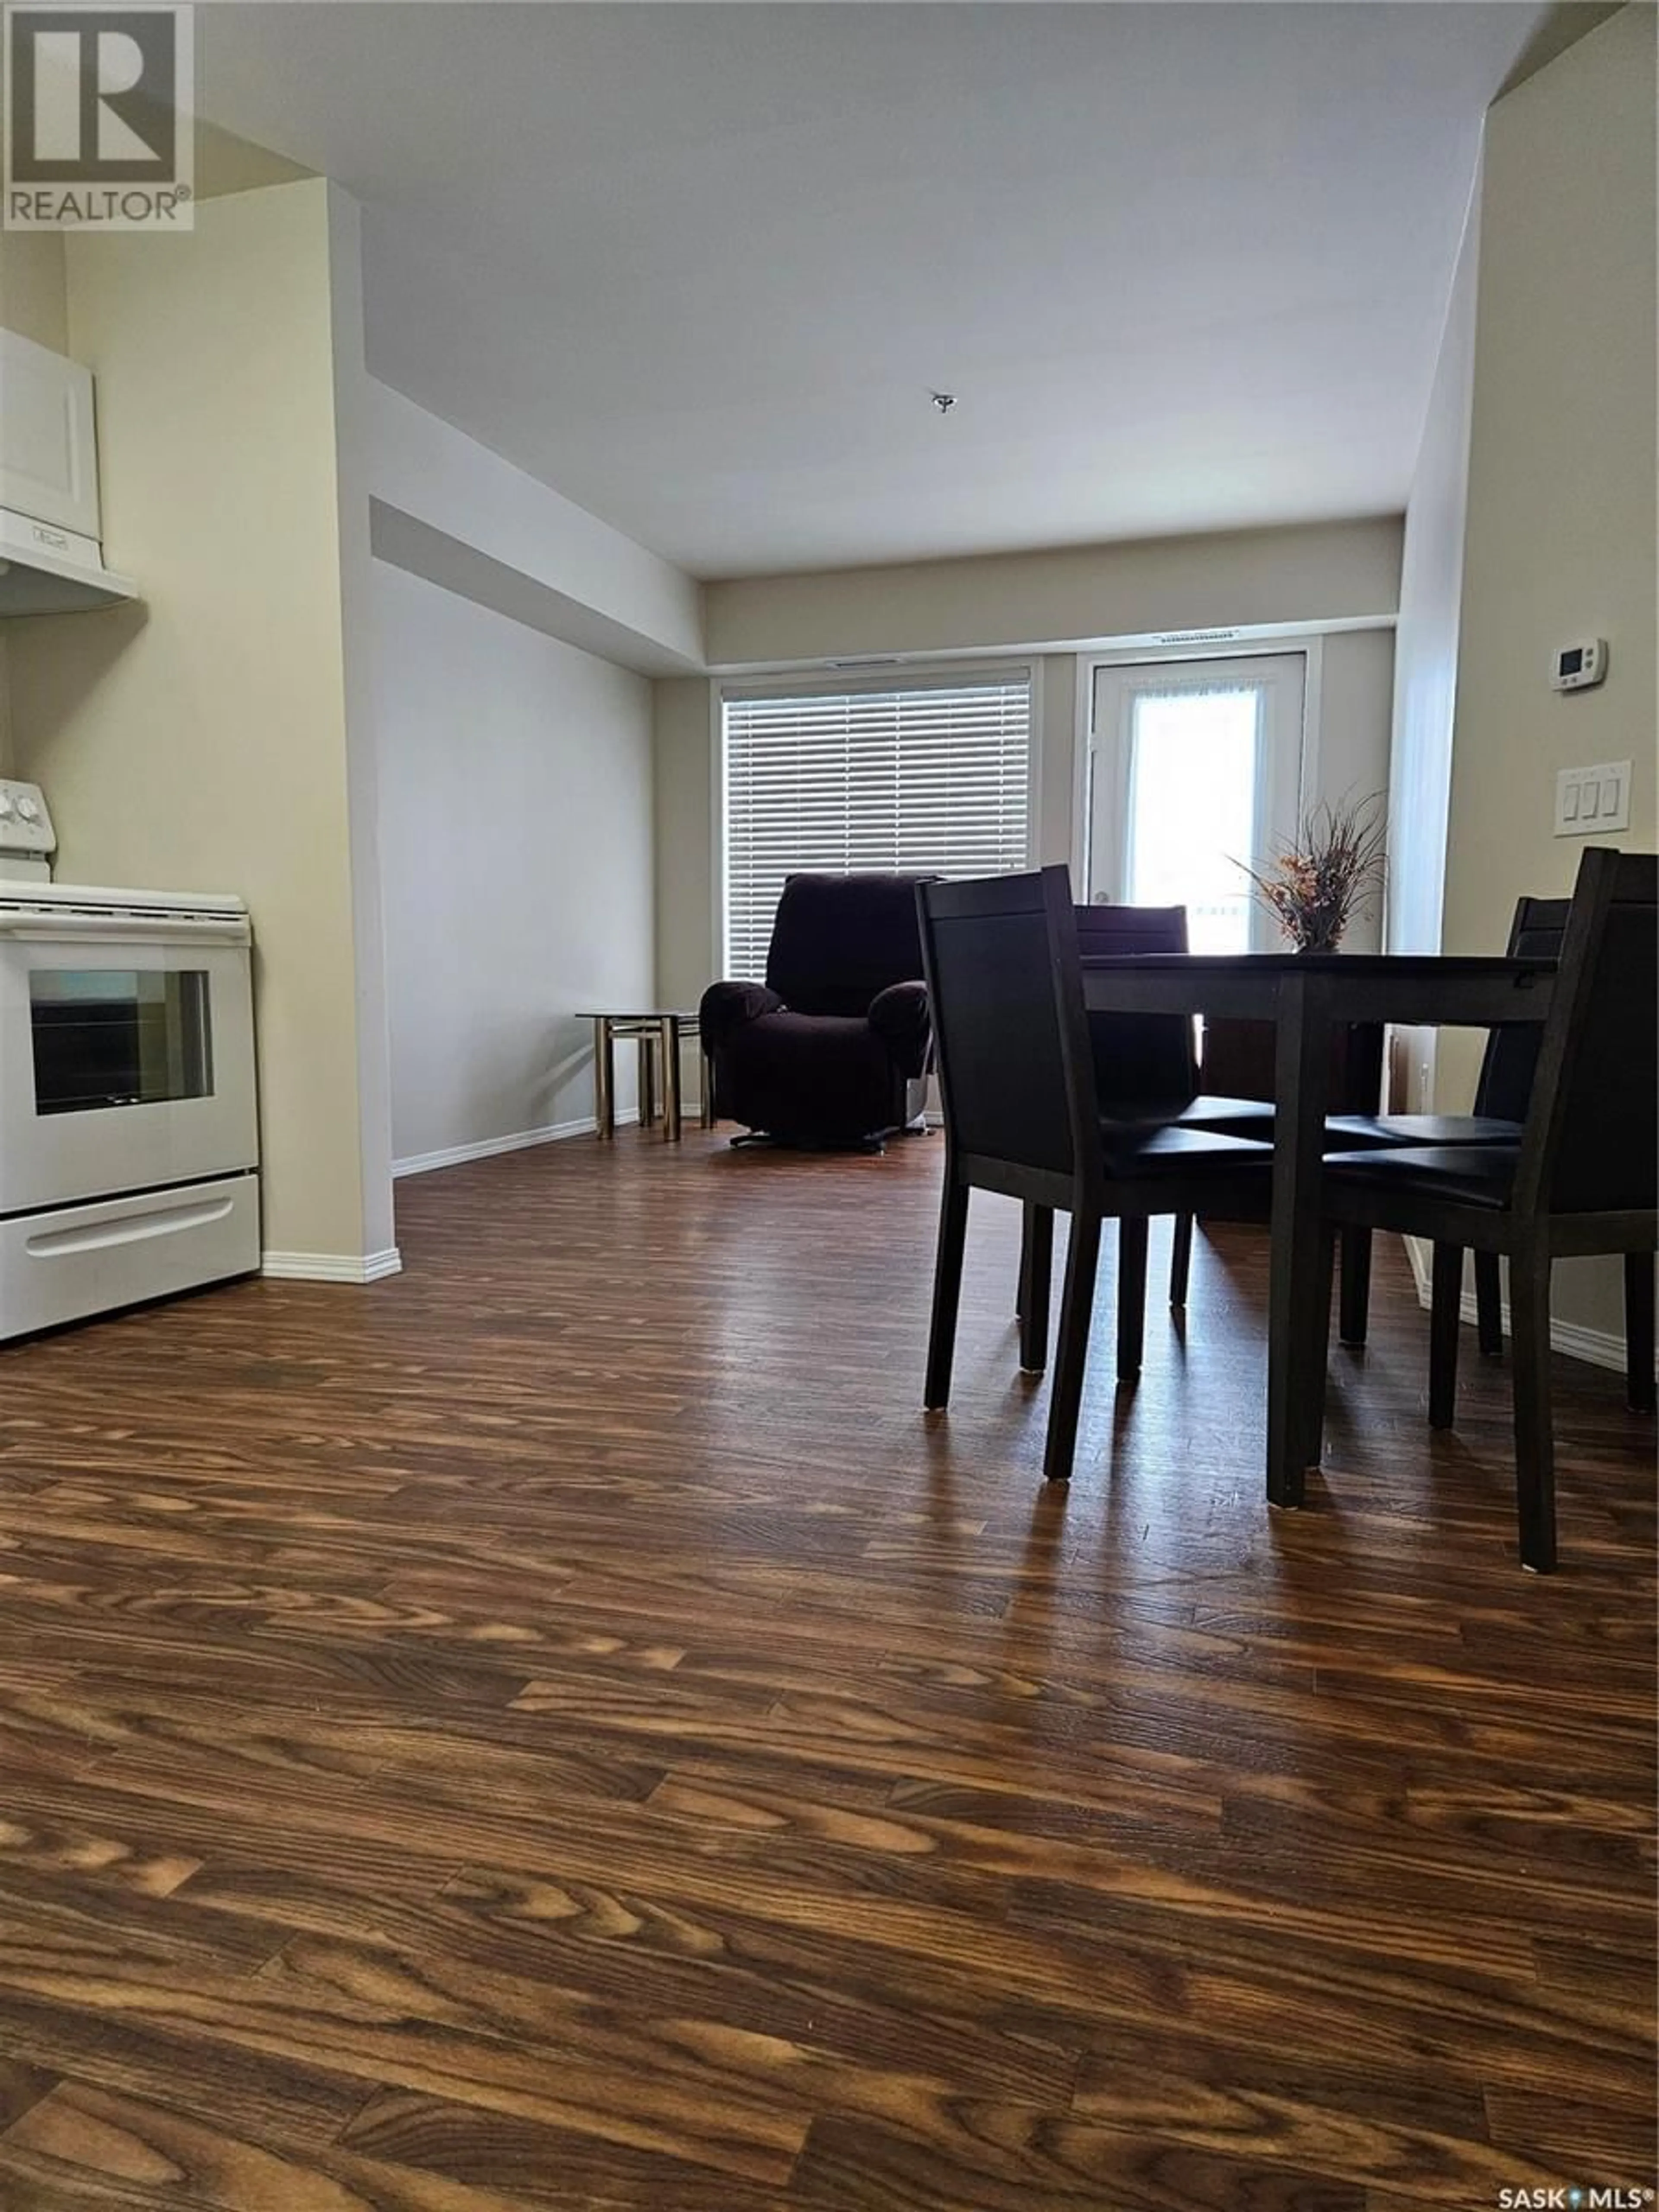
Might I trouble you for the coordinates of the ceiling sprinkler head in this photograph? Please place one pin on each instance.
(945, 401)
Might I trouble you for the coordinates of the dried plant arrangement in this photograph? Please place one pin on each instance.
(1334, 869)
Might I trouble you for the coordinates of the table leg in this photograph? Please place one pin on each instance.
(708, 1090)
(1295, 1391)
(647, 1045)
(670, 1080)
(604, 1079)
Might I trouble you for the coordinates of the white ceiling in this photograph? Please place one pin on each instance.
(699, 267)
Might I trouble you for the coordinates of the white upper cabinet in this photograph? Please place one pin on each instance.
(48, 448)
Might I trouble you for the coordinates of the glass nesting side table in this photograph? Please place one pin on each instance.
(661, 1037)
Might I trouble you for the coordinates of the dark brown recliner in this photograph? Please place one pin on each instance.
(834, 1047)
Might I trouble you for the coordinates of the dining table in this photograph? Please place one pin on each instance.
(1305, 995)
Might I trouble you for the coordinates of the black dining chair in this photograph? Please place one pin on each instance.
(1583, 1180)
(1147, 1069)
(1023, 1116)
(1502, 1091)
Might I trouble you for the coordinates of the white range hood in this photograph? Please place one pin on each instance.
(44, 571)
(51, 560)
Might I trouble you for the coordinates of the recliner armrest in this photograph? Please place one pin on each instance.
(900, 1018)
(725, 1008)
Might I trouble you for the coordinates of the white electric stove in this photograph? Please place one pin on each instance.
(129, 1134)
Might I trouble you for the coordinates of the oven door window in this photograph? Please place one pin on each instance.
(111, 1036)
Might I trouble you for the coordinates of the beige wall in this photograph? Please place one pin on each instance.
(1355, 724)
(1318, 572)
(1430, 614)
(352, 482)
(198, 740)
(508, 914)
(33, 293)
(1060, 676)
(1561, 515)
(1425, 672)
(683, 835)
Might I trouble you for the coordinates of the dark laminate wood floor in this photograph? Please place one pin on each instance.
(560, 1729)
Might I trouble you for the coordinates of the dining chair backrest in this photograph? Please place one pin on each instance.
(999, 954)
(1106, 928)
(1142, 1061)
(1509, 1062)
(1591, 1139)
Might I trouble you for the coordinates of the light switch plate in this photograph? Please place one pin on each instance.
(1592, 800)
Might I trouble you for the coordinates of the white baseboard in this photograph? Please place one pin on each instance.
(1417, 1252)
(330, 1266)
(1597, 1348)
(486, 1148)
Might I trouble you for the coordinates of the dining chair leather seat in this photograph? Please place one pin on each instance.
(1474, 1175)
(1236, 1117)
(1363, 1131)
(1167, 1147)
(1239, 1118)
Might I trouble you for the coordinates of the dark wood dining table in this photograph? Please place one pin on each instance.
(1305, 995)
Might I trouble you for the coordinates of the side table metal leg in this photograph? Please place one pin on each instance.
(648, 1044)
(604, 1083)
(708, 1090)
(670, 1081)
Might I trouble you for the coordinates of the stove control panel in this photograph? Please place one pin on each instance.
(26, 830)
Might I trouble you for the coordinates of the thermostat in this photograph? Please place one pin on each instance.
(1576, 667)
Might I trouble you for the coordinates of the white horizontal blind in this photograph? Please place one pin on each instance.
(932, 778)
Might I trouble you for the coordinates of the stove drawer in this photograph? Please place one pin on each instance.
(82, 1259)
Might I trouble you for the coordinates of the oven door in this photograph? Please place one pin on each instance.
(126, 1055)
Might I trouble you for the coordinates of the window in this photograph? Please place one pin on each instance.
(1192, 808)
(933, 777)
(110, 1036)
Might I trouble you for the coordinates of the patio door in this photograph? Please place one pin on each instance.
(1195, 767)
